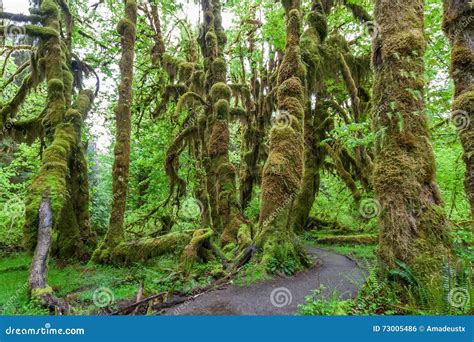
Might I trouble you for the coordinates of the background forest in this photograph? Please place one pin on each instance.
(153, 151)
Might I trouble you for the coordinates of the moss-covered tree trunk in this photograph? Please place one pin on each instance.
(458, 24)
(283, 170)
(63, 175)
(412, 220)
(126, 28)
(315, 114)
(221, 174)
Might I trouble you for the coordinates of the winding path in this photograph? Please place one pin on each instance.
(281, 295)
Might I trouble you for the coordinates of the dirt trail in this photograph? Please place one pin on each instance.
(281, 295)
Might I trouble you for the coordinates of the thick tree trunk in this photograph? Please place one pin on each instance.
(283, 170)
(126, 28)
(412, 220)
(458, 24)
(59, 171)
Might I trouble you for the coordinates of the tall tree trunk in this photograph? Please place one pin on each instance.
(126, 28)
(283, 170)
(458, 24)
(412, 220)
(221, 174)
(63, 173)
(314, 118)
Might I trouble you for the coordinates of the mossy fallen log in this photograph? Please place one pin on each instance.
(141, 250)
(362, 239)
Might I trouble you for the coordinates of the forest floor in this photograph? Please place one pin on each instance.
(340, 269)
(281, 295)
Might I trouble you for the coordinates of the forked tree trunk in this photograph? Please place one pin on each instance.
(412, 220)
(458, 24)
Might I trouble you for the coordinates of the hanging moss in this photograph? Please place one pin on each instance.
(318, 21)
(221, 109)
(185, 71)
(49, 8)
(219, 70)
(41, 32)
(219, 139)
(186, 100)
(220, 91)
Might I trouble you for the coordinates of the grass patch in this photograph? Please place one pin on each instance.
(78, 282)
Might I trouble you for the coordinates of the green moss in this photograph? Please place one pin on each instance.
(193, 251)
(55, 86)
(141, 250)
(49, 8)
(219, 70)
(125, 25)
(185, 71)
(221, 109)
(291, 87)
(220, 91)
(211, 40)
(465, 102)
(42, 32)
(39, 292)
(219, 139)
(319, 23)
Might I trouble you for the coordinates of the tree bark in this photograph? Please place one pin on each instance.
(412, 220)
(458, 24)
(315, 118)
(283, 170)
(38, 280)
(126, 28)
